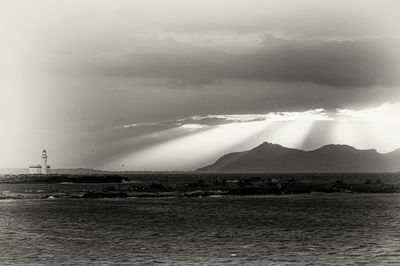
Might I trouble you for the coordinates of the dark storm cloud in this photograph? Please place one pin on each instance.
(357, 63)
(342, 64)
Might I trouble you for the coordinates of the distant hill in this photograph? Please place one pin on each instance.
(84, 171)
(66, 171)
(78, 171)
(269, 157)
(13, 171)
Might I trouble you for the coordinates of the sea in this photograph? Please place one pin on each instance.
(331, 229)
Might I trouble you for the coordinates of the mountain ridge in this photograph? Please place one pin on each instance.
(270, 157)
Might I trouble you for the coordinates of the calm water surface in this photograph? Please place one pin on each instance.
(280, 230)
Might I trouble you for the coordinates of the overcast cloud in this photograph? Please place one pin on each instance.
(356, 63)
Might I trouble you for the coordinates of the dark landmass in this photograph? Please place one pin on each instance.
(194, 184)
(62, 178)
(13, 171)
(266, 169)
(78, 171)
(269, 157)
(62, 171)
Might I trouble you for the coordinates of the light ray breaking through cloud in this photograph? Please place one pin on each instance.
(199, 140)
(376, 127)
(235, 131)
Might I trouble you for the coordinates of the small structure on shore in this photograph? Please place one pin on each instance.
(43, 169)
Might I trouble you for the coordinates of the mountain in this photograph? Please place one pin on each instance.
(269, 157)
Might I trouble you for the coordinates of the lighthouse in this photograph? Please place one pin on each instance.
(44, 162)
(38, 169)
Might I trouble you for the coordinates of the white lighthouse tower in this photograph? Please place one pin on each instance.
(44, 162)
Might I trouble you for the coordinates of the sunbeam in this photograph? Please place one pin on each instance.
(192, 142)
(198, 148)
(369, 128)
(291, 134)
(355, 133)
(191, 145)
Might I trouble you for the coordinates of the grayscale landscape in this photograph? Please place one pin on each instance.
(230, 132)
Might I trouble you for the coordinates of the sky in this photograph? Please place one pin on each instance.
(174, 85)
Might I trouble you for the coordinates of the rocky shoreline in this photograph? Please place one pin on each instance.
(179, 194)
(64, 186)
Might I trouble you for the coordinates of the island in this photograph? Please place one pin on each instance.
(191, 184)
